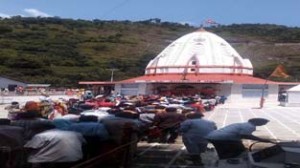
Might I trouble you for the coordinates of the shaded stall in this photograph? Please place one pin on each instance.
(292, 96)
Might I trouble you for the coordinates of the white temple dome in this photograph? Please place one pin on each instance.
(200, 52)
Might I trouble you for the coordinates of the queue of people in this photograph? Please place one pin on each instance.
(75, 124)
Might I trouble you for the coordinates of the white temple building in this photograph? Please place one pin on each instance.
(200, 52)
(200, 63)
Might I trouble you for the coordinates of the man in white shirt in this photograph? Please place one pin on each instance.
(228, 140)
(55, 147)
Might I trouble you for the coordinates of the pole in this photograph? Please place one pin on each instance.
(112, 75)
(262, 98)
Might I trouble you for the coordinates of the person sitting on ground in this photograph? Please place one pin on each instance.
(169, 123)
(228, 140)
(194, 129)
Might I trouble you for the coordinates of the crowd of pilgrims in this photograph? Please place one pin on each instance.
(60, 133)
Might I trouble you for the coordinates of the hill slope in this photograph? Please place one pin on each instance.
(64, 51)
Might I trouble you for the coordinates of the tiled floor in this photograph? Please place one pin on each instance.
(284, 121)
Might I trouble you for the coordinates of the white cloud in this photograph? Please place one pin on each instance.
(3, 15)
(36, 13)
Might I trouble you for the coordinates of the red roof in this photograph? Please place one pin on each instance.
(96, 83)
(192, 78)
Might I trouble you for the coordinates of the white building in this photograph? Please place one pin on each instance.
(197, 62)
(292, 97)
(200, 62)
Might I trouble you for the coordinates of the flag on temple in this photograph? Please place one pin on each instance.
(279, 72)
(210, 21)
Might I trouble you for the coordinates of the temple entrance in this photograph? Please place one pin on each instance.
(177, 90)
(184, 90)
(204, 90)
(162, 90)
(208, 92)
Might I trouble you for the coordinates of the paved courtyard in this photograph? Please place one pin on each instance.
(284, 121)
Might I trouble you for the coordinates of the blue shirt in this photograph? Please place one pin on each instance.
(197, 127)
(232, 132)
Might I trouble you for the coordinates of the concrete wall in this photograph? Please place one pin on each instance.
(237, 95)
(273, 94)
(149, 89)
(225, 90)
(142, 88)
(136, 89)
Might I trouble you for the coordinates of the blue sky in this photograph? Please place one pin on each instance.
(194, 12)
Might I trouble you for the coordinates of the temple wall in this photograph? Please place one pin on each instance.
(246, 96)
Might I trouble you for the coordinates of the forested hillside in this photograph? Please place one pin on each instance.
(62, 52)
